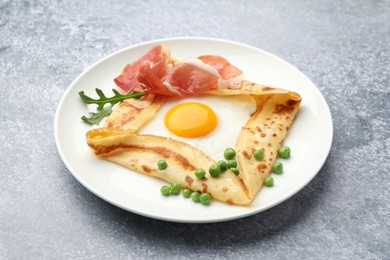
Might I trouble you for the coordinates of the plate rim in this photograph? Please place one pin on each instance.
(181, 220)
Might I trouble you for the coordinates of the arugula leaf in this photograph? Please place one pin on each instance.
(118, 97)
(95, 118)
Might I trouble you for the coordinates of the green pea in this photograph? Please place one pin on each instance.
(269, 181)
(175, 188)
(162, 164)
(222, 165)
(229, 153)
(187, 193)
(231, 164)
(235, 170)
(200, 173)
(284, 152)
(214, 170)
(277, 167)
(258, 154)
(204, 198)
(195, 196)
(165, 190)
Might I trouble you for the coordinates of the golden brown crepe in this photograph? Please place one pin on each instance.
(266, 129)
(142, 152)
(132, 114)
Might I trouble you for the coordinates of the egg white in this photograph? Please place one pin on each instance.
(232, 113)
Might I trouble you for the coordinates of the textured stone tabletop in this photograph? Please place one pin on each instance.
(342, 46)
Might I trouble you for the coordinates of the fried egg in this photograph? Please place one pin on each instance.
(209, 123)
(191, 119)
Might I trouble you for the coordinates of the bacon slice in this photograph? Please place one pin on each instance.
(231, 75)
(158, 60)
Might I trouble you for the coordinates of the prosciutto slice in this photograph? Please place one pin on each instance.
(157, 73)
(231, 75)
(183, 80)
(157, 58)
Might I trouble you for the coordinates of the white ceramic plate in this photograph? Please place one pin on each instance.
(310, 137)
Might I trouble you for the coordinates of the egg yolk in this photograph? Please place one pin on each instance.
(190, 119)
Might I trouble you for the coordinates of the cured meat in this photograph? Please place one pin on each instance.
(155, 73)
(191, 80)
(158, 60)
(183, 80)
(231, 75)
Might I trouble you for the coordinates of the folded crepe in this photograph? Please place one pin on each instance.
(266, 129)
(142, 152)
(132, 114)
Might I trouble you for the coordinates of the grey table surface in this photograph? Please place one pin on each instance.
(342, 46)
